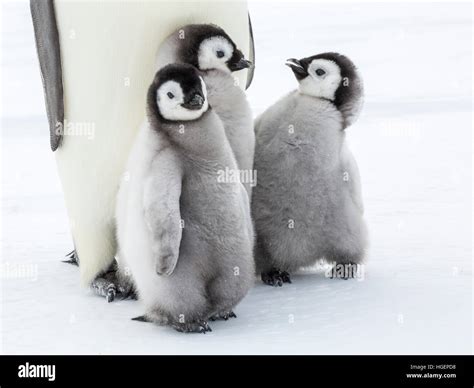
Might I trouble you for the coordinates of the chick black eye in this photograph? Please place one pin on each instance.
(170, 95)
(320, 72)
(219, 53)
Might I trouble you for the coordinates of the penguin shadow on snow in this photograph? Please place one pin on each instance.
(310, 297)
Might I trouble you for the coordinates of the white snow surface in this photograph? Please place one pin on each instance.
(413, 145)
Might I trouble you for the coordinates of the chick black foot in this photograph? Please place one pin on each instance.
(223, 316)
(192, 327)
(275, 277)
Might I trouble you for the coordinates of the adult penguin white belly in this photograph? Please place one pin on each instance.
(107, 53)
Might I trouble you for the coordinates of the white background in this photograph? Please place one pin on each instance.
(413, 145)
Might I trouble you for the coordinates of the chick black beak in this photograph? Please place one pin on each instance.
(242, 63)
(297, 67)
(194, 102)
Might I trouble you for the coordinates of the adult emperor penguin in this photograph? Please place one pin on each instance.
(212, 50)
(96, 60)
(184, 235)
(307, 204)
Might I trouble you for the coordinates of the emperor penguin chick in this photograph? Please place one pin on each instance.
(307, 204)
(214, 53)
(183, 233)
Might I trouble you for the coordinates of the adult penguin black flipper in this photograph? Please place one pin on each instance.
(251, 70)
(49, 55)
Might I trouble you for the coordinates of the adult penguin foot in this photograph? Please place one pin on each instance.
(71, 258)
(111, 285)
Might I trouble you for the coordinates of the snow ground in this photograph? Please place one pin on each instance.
(414, 148)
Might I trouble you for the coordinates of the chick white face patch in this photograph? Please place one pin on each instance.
(170, 97)
(324, 77)
(214, 53)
